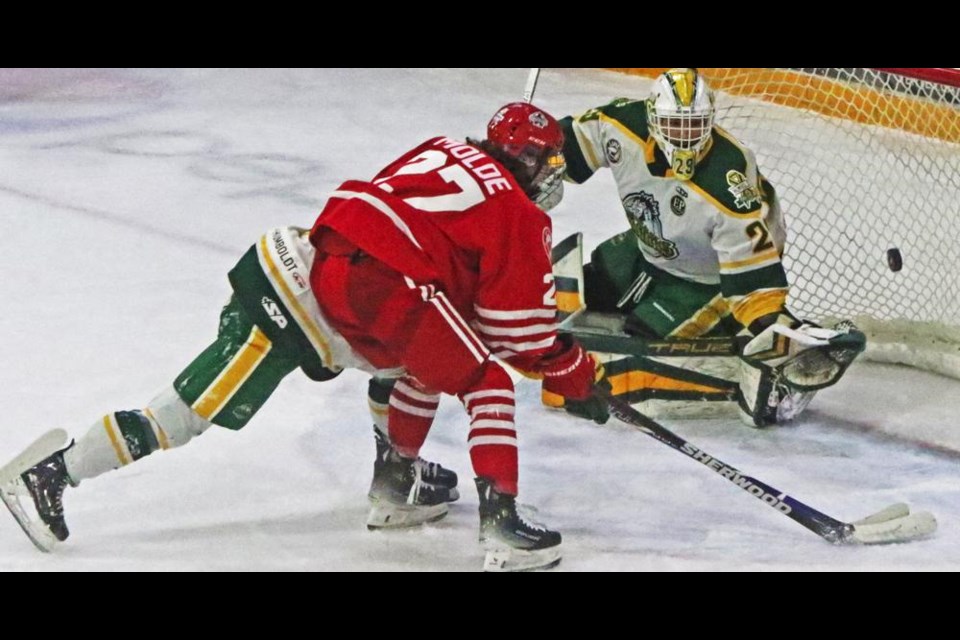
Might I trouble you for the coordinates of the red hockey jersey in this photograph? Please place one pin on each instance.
(447, 214)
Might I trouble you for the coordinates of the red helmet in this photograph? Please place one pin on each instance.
(534, 138)
(520, 125)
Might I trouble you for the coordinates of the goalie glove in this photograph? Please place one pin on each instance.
(787, 362)
(571, 380)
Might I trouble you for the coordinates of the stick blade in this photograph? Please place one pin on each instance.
(892, 525)
(894, 511)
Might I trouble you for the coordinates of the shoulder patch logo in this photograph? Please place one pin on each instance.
(643, 213)
(613, 150)
(273, 310)
(745, 194)
(548, 242)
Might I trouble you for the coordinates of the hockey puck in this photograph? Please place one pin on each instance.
(894, 259)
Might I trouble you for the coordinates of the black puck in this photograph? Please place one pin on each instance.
(894, 259)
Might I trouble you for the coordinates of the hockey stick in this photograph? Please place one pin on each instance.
(607, 332)
(893, 524)
(531, 87)
(666, 347)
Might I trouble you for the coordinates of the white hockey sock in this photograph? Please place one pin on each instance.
(123, 437)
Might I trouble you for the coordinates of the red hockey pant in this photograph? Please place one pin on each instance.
(393, 322)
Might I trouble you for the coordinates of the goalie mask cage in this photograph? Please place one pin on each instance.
(864, 160)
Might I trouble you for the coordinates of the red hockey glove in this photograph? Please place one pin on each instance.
(588, 374)
(571, 371)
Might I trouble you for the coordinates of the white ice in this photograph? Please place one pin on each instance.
(127, 195)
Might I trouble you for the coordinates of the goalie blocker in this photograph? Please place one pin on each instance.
(767, 378)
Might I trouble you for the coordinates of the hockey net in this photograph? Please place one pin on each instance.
(864, 160)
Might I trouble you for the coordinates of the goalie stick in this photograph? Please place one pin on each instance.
(662, 347)
(892, 524)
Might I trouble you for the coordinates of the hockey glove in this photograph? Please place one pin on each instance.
(595, 407)
(783, 366)
(570, 380)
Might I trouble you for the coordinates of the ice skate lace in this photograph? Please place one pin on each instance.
(428, 469)
(49, 489)
(527, 516)
(56, 499)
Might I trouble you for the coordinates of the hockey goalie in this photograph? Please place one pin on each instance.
(768, 378)
(689, 304)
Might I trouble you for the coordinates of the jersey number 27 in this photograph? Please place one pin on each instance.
(470, 193)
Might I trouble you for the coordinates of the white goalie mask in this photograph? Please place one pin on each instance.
(680, 113)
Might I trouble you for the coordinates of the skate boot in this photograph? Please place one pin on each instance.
(430, 472)
(512, 544)
(400, 497)
(35, 495)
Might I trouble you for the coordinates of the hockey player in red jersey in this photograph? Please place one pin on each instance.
(437, 265)
(429, 274)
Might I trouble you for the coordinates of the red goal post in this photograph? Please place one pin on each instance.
(947, 76)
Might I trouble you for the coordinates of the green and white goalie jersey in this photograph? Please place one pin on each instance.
(722, 227)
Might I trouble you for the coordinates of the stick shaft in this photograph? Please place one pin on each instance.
(821, 524)
(531, 87)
